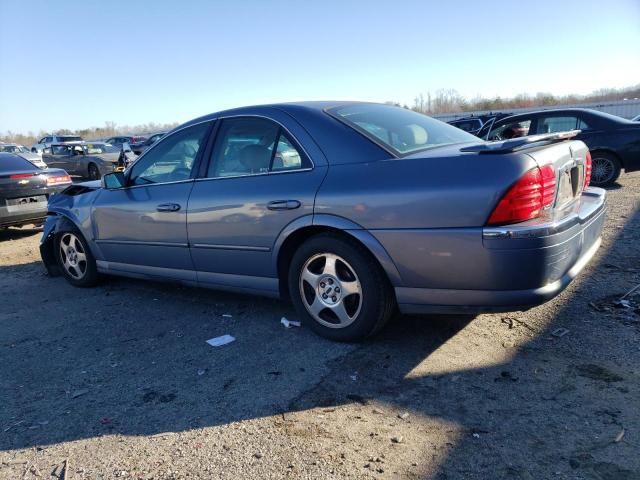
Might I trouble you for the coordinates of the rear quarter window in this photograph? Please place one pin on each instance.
(398, 130)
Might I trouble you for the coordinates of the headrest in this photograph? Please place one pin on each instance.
(255, 157)
(413, 135)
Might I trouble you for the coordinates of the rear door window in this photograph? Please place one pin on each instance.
(253, 146)
(555, 124)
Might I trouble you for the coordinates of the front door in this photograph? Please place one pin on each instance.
(61, 156)
(141, 228)
(258, 180)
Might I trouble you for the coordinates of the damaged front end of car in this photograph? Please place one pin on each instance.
(67, 211)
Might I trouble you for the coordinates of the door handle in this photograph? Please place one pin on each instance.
(283, 205)
(168, 207)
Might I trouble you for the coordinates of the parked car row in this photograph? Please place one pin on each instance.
(614, 142)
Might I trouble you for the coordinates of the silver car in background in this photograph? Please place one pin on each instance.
(22, 151)
(89, 160)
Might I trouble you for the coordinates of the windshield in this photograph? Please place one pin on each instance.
(399, 130)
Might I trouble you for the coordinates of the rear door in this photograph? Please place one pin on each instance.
(142, 228)
(259, 178)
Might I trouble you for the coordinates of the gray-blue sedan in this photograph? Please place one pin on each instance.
(351, 210)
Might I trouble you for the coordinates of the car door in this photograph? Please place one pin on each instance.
(259, 178)
(60, 156)
(141, 228)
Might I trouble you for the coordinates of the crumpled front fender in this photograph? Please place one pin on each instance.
(52, 225)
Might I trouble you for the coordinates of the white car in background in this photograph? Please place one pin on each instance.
(21, 150)
(45, 142)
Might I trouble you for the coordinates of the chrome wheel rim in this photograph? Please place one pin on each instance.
(603, 170)
(330, 290)
(73, 256)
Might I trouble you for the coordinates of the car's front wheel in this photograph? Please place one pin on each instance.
(339, 290)
(75, 259)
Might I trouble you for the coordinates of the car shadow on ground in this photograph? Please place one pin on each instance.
(130, 358)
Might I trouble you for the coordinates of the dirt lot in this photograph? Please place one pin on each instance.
(118, 382)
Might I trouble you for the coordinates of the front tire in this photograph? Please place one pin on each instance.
(77, 264)
(605, 169)
(338, 289)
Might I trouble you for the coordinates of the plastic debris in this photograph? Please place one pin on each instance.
(619, 437)
(289, 323)
(220, 341)
(560, 332)
(476, 435)
(227, 315)
(79, 393)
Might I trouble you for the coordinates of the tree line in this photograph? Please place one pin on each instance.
(450, 101)
(441, 101)
(110, 129)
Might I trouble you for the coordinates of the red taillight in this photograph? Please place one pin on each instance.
(587, 169)
(526, 199)
(20, 175)
(58, 179)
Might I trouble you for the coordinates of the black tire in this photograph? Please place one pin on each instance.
(86, 271)
(608, 164)
(93, 172)
(354, 265)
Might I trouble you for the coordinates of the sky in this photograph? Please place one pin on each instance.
(76, 64)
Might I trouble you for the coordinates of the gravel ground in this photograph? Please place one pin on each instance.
(118, 382)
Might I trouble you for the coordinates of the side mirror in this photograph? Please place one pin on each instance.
(114, 180)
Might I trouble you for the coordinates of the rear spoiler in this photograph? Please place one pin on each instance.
(515, 144)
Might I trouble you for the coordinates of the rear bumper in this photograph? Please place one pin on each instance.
(538, 259)
(10, 217)
(16, 220)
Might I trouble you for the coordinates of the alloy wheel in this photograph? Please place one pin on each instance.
(603, 170)
(330, 290)
(73, 256)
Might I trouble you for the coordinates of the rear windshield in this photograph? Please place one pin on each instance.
(65, 138)
(399, 130)
(11, 163)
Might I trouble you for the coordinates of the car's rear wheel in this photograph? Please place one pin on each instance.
(605, 169)
(338, 289)
(94, 172)
(75, 259)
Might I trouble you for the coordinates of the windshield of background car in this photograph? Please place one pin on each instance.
(98, 148)
(10, 163)
(66, 138)
(9, 148)
(399, 130)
